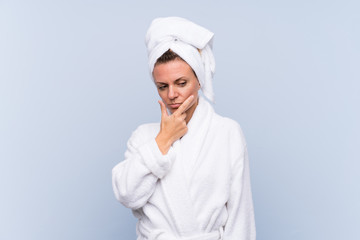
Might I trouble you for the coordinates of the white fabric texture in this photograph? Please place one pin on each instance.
(199, 190)
(190, 41)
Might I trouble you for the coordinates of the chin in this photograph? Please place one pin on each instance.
(171, 109)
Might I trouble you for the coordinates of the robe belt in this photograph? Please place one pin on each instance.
(215, 235)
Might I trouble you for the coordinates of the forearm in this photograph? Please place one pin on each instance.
(135, 179)
(133, 183)
(241, 222)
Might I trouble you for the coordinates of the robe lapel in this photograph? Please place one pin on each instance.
(176, 184)
(193, 142)
(176, 192)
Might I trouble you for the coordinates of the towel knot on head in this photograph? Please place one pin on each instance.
(190, 41)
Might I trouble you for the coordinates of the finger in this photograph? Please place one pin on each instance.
(186, 104)
(183, 116)
(163, 108)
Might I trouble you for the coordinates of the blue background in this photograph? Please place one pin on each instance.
(74, 84)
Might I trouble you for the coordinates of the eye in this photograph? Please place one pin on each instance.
(161, 87)
(182, 84)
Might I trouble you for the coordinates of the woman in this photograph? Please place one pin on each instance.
(187, 177)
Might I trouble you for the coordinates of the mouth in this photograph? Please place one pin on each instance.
(174, 105)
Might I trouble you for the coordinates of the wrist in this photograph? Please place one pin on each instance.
(164, 143)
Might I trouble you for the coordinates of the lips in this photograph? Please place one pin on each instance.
(175, 105)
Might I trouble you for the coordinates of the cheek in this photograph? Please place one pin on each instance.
(191, 90)
(186, 92)
(163, 98)
(162, 94)
(195, 89)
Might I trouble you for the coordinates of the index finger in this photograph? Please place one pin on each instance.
(186, 105)
(163, 109)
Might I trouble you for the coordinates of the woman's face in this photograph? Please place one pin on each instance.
(175, 82)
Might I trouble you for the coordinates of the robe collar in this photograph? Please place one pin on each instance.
(177, 183)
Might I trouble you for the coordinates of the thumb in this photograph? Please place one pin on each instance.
(163, 109)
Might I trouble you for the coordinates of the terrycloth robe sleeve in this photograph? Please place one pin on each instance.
(134, 179)
(241, 222)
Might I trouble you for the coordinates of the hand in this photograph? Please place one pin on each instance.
(172, 127)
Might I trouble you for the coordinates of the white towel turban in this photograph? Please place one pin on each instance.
(190, 41)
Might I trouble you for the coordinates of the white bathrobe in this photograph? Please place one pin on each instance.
(199, 190)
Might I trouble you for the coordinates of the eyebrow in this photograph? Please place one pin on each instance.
(177, 80)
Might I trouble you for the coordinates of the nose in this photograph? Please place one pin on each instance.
(172, 93)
